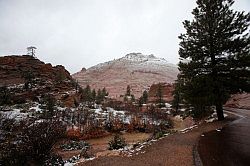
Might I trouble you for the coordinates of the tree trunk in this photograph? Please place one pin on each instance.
(219, 111)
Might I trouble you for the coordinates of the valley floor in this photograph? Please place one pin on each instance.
(177, 149)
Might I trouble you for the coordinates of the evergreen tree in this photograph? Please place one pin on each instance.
(216, 49)
(177, 94)
(29, 79)
(143, 99)
(117, 142)
(132, 98)
(93, 95)
(125, 98)
(128, 92)
(48, 105)
(104, 92)
(5, 95)
(99, 96)
(87, 93)
(59, 77)
(140, 101)
(76, 85)
(159, 95)
(145, 96)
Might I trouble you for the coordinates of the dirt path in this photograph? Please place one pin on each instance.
(176, 149)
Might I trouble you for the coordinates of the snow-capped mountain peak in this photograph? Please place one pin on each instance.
(135, 69)
(139, 57)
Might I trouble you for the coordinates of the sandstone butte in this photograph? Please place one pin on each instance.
(46, 79)
(135, 69)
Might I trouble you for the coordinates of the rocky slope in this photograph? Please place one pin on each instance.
(239, 101)
(166, 90)
(135, 69)
(13, 69)
(28, 78)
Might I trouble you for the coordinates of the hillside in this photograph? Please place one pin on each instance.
(166, 89)
(135, 69)
(239, 101)
(28, 78)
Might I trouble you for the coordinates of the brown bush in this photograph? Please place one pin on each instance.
(95, 134)
(30, 143)
(73, 134)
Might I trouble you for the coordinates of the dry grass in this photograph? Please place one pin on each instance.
(129, 138)
(99, 146)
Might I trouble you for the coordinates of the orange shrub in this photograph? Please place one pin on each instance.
(97, 133)
(73, 134)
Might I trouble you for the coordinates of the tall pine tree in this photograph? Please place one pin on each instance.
(216, 50)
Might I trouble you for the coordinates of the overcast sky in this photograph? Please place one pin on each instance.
(83, 33)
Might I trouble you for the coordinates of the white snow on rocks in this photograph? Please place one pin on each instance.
(213, 117)
(137, 62)
(188, 129)
(15, 114)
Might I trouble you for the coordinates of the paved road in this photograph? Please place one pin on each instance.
(229, 146)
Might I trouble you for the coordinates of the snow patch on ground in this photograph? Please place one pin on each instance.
(36, 108)
(105, 114)
(213, 117)
(178, 117)
(15, 114)
(139, 147)
(68, 164)
(188, 129)
(182, 109)
(210, 120)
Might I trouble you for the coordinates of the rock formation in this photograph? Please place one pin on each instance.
(166, 90)
(135, 69)
(239, 101)
(29, 78)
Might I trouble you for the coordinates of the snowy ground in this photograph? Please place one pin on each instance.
(15, 114)
(213, 117)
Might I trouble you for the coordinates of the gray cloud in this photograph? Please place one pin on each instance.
(82, 33)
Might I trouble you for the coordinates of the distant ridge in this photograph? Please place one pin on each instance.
(134, 69)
